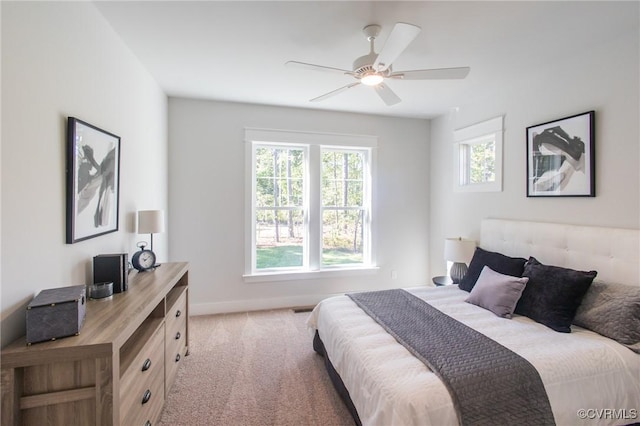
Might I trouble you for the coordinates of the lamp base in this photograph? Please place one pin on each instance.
(458, 271)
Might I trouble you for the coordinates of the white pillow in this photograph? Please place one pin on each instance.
(497, 292)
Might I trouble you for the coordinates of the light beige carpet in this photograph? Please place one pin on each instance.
(255, 368)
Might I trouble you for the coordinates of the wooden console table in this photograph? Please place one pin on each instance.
(117, 371)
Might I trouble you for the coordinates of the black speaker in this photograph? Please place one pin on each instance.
(112, 268)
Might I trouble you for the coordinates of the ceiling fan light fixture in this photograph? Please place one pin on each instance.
(372, 79)
(373, 68)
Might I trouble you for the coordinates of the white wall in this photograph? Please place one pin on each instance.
(207, 195)
(601, 77)
(62, 59)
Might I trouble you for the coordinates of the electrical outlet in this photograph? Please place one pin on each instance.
(394, 274)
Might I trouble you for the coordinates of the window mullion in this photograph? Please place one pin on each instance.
(250, 255)
(366, 220)
(314, 211)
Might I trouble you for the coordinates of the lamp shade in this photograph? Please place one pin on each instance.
(150, 221)
(458, 250)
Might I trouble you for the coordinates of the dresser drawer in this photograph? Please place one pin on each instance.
(176, 349)
(145, 406)
(176, 330)
(178, 311)
(147, 367)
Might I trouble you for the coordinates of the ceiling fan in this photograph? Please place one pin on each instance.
(373, 69)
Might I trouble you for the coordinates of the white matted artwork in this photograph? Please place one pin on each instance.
(561, 157)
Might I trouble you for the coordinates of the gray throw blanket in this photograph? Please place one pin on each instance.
(489, 384)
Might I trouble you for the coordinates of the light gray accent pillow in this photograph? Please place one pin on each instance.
(497, 292)
(612, 310)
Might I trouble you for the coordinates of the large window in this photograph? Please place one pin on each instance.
(344, 206)
(279, 206)
(309, 202)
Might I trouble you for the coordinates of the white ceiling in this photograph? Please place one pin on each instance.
(236, 50)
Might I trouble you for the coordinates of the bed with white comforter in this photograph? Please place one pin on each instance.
(580, 370)
(589, 379)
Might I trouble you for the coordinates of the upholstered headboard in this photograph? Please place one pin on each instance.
(613, 252)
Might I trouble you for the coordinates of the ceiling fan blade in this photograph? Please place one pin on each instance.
(388, 96)
(432, 74)
(314, 67)
(401, 36)
(335, 92)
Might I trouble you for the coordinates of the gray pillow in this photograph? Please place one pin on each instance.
(497, 292)
(612, 310)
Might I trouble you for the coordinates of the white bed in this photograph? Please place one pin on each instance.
(583, 372)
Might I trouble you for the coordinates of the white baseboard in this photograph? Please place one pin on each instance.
(256, 304)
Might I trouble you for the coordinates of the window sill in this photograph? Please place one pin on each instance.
(309, 275)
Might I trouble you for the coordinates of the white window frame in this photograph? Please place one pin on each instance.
(475, 134)
(366, 203)
(305, 205)
(313, 144)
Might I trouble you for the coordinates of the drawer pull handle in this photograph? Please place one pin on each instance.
(147, 423)
(146, 397)
(178, 335)
(177, 357)
(146, 365)
(178, 313)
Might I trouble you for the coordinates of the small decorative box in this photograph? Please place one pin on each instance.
(55, 313)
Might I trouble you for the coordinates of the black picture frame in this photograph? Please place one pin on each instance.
(561, 157)
(93, 181)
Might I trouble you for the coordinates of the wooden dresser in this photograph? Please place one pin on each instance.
(117, 371)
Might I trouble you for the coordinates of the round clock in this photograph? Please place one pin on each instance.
(143, 260)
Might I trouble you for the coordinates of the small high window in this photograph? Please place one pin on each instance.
(478, 157)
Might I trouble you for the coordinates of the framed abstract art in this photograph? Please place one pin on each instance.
(93, 181)
(561, 157)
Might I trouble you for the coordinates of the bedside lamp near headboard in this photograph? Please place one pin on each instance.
(460, 252)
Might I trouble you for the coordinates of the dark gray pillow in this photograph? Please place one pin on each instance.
(497, 292)
(553, 294)
(497, 261)
(612, 310)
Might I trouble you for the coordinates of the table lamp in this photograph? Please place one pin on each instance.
(150, 222)
(459, 252)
